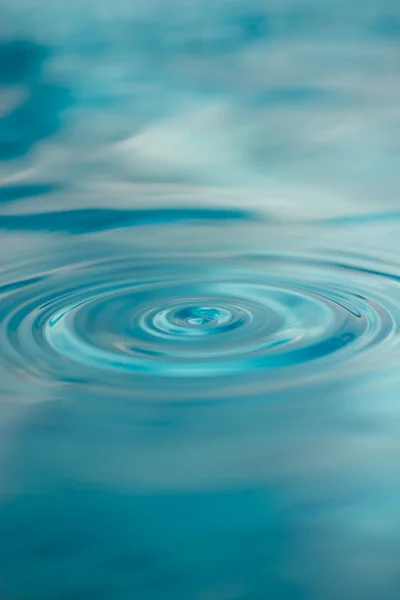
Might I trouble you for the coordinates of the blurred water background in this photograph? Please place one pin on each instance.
(199, 300)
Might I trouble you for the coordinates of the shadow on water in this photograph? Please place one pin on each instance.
(39, 115)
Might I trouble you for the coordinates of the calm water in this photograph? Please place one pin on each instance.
(199, 300)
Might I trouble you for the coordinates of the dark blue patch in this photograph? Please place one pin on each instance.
(40, 115)
(17, 285)
(88, 220)
(387, 28)
(36, 119)
(20, 61)
(11, 193)
(254, 26)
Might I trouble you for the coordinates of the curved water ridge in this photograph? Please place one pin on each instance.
(275, 318)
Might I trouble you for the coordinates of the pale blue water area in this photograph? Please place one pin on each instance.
(199, 300)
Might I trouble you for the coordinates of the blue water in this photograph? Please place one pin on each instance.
(199, 300)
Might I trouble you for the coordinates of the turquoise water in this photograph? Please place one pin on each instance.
(199, 300)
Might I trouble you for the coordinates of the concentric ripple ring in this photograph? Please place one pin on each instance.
(195, 319)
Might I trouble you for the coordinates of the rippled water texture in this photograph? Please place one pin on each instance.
(199, 300)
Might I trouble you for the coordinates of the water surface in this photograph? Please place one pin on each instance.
(199, 300)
